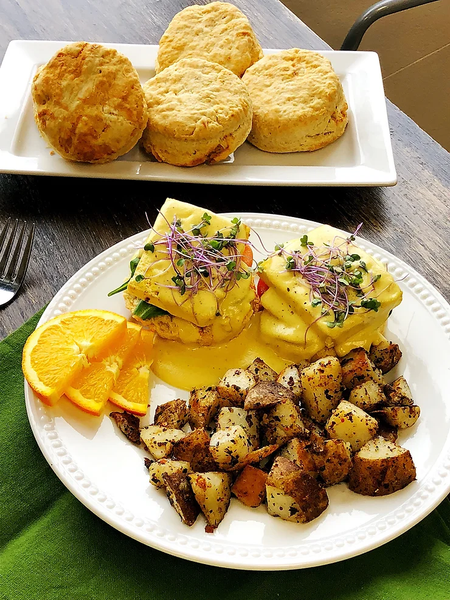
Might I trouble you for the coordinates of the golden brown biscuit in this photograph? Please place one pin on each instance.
(298, 102)
(88, 103)
(198, 112)
(218, 32)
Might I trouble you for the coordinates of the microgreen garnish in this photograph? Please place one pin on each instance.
(201, 260)
(149, 247)
(335, 276)
(139, 278)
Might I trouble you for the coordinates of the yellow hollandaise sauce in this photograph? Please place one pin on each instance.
(187, 367)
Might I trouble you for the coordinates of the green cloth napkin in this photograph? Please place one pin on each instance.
(53, 548)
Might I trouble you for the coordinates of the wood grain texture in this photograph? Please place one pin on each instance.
(78, 218)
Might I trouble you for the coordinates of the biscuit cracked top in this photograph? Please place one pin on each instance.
(218, 32)
(195, 99)
(88, 103)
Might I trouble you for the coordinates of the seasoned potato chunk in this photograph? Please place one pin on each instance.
(292, 494)
(250, 486)
(389, 432)
(385, 355)
(128, 425)
(351, 424)
(235, 385)
(229, 446)
(283, 422)
(203, 405)
(255, 456)
(368, 395)
(159, 440)
(380, 468)
(194, 448)
(266, 394)
(333, 461)
(169, 466)
(322, 387)
(172, 414)
(299, 452)
(401, 416)
(247, 419)
(290, 377)
(398, 393)
(181, 497)
(261, 371)
(357, 368)
(212, 491)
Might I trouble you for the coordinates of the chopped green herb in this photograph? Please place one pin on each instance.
(146, 311)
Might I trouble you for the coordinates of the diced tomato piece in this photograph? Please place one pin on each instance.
(261, 287)
(247, 255)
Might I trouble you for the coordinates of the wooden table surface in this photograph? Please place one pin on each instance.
(78, 218)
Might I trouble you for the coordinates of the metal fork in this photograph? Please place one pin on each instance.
(14, 258)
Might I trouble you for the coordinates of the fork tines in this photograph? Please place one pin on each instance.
(15, 250)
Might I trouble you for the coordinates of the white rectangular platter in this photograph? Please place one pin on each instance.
(362, 156)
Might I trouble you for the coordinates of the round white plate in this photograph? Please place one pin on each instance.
(107, 474)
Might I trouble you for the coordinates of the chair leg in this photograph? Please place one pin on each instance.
(372, 14)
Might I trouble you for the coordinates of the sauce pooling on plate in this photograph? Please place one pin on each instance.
(187, 367)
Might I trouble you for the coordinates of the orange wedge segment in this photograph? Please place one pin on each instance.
(91, 387)
(132, 388)
(56, 351)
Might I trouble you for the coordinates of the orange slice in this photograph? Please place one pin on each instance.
(131, 389)
(91, 387)
(56, 351)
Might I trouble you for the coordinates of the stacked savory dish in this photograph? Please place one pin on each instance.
(213, 89)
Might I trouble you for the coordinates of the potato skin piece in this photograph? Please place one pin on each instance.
(203, 405)
(357, 368)
(128, 425)
(250, 486)
(385, 356)
(321, 382)
(235, 385)
(172, 414)
(267, 394)
(391, 468)
(261, 371)
(303, 489)
(398, 393)
(181, 497)
(194, 448)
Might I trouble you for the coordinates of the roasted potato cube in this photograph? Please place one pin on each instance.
(385, 355)
(181, 497)
(283, 422)
(172, 414)
(322, 387)
(290, 377)
(250, 486)
(398, 393)
(235, 385)
(255, 456)
(401, 416)
(357, 368)
(212, 491)
(128, 425)
(203, 405)
(299, 452)
(367, 396)
(317, 433)
(292, 494)
(380, 468)
(159, 440)
(261, 371)
(229, 446)
(351, 424)
(194, 448)
(333, 461)
(247, 419)
(266, 394)
(167, 466)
